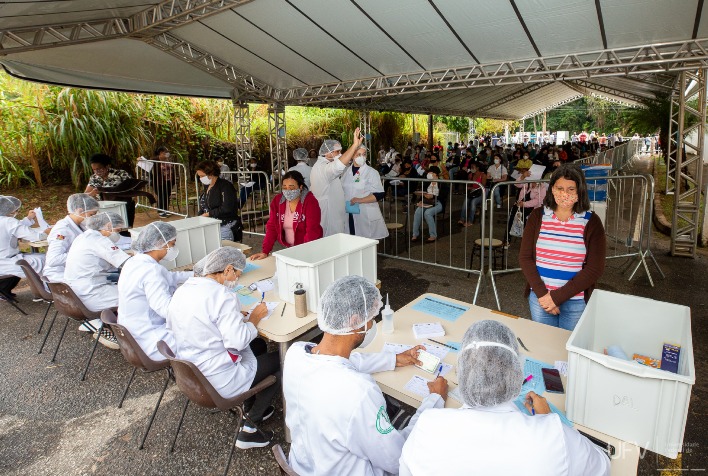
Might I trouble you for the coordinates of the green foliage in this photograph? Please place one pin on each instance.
(11, 175)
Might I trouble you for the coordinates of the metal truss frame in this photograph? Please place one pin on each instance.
(242, 133)
(687, 196)
(365, 126)
(591, 89)
(552, 106)
(278, 142)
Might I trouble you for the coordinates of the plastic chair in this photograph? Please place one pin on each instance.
(69, 304)
(38, 290)
(134, 354)
(285, 468)
(195, 386)
(6, 295)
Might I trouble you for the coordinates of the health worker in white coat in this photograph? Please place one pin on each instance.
(211, 331)
(326, 183)
(12, 230)
(145, 287)
(363, 190)
(300, 156)
(336, 412)
(80, 206)
(490, 435)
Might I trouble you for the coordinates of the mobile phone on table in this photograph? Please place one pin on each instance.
(552, 380)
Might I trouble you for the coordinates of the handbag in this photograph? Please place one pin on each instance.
(517, 227)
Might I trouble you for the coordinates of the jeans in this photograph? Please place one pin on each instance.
(570, 312)
(497, 195)
(429, 215)
(226, 233)
(470, 204)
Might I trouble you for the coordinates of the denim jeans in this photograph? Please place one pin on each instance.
(570, 312)
(497, 195)
(429, 215)
(470, 204)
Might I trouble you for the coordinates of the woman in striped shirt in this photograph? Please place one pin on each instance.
(562, 251)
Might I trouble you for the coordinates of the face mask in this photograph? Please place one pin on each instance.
(496, 161)
(368, 337)
(253, 166)
(230, 285)
(430, 176)
(291, 195)
(114, 237)
(564, 199)
(205, 180)
(172, 253)
(359, 160)
(526, 157)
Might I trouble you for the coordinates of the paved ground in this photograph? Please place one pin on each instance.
(51, 423)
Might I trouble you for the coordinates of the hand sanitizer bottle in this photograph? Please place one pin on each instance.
(387, 318)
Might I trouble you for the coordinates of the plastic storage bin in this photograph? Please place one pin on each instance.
(624, 399)
(319, 263)
(597, 189)
(115, 207)
(196, 237)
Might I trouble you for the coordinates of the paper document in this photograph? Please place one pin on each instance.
(447, 310)
(392, 348)
(445, 369)
(265, 285)
(124, 242)
(520, 404)
(249, 267)
(43, 225)
(246, 300)
(533, 367)
(145, 165)
(271, 305)
(395, 182)
(248, 184)
(536, 172)
(427, 330)
(562, 367)
(438, 351)
(515, 174)
(418, 385)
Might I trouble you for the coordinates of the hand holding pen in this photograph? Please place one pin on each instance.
(536, 404)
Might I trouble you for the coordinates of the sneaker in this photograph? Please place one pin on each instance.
(91, 326)
(266, 414)
(253, 440)
(107, 339)
(37, 300)
(163, 214)
(498, 206)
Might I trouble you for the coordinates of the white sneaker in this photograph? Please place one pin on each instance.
(95, 323)
(498, 206)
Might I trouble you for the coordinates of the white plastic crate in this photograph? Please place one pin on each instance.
(196, 238)
(115, 207)
(600, 208)
(624, 399)
(319, 263)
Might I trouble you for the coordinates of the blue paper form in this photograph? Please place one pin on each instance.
(533, 367)
(441, 309)
(246, 300)
(520, 404)
(456, 345)
(249, 267)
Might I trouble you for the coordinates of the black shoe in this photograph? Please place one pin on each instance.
(266, 414)
(163, 214)
(253, 440)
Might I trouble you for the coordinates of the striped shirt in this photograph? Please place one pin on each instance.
(560, 249)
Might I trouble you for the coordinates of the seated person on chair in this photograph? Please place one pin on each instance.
(80, 206)
(294, 216)
(94, 256)
(490, 435)
(105, 176)
(428, 207)
(11, 230)
(335, 410)
(145, 287)
(210, 330)
(474, 196)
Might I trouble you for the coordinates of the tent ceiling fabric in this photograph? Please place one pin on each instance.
(400, 55)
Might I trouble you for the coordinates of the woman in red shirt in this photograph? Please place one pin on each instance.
(294, 216)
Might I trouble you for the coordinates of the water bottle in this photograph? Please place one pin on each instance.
(300, 301)
(387, 318)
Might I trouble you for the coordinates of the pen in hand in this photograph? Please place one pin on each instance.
(437, 373)
(262, 296)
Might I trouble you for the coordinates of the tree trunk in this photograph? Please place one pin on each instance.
(33, 160)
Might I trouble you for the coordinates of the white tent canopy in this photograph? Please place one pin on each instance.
(461, 57)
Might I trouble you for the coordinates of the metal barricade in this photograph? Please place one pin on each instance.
(167, 182)
(253, 189)
(625, 214)
(455, 246)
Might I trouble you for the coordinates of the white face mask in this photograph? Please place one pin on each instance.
(430, 176)
(369, 337)
(205, 180)
(253, 166)
(172, 253)
(359, 160)
(336, 157)
(496, 161)
(114, 237)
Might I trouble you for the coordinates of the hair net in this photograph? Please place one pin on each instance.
(489, 368)
(219, 259)
(300, 154)
(154, 237)
(9, 205)
(348, 304)
(81, 201)
(329, 145)
(101, 221)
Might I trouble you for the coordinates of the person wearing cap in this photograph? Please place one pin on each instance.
(80, 206)
(490, 434)
(145, 287)
(326, 183)
(11, 230)
(336, 412)
(210, 329)
(363, 190)
(300, 156)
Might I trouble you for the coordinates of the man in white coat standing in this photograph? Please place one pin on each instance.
(326, 183)
(335, 411)
(300, 156)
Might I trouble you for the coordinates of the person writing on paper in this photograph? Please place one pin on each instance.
(80, 206)
(11, 230)
(363, 190)
(489, 434)
(428, 207)
(221, 340)
(300, 156)
(326, 183)
(336, 412)
(145, 287)
(294, 216)
(562, 251)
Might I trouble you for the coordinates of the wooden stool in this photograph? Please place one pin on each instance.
(498, 250)
(393, 229)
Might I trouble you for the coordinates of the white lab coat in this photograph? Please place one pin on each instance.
(145, 289)
(370, 222)
(206, 322)
(11, 230)
(91, 257)
(305, 170)
(63, 234)
(337, 414)
(498, 440)
(327, 188)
